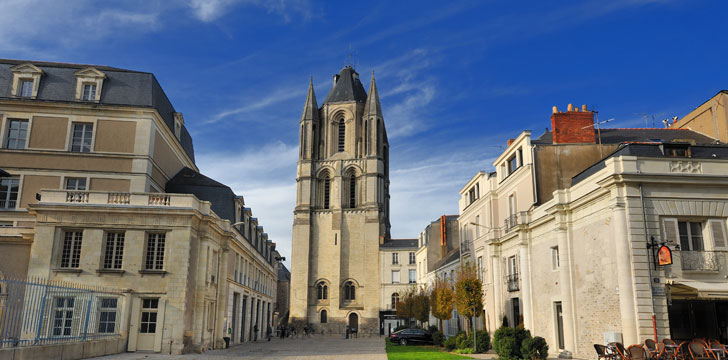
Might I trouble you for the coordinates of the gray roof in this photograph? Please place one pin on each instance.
(399, 244)
(653, 151)
(644, 135)
(121, 88)
(221, 197)
(283, 273)
(347, 87)
(451, 256)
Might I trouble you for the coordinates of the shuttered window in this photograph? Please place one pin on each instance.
(669, 226)
(717, 231)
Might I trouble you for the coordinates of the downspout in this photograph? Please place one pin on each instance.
(649, 262)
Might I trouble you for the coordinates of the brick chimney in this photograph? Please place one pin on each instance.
(573, 126)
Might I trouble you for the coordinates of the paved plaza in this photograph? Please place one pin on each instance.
(315, 347)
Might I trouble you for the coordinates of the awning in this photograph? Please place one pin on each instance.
(703, 289)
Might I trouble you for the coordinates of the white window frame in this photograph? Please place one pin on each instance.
(25, 72)
(89, 76)
(105, 308)
(70, 256)
(412, 274)
(157, 255)
(395, 258)
(113, 256)
(6, 141)
(91, 94)
(7, 202)
(412, 258)
(555, 260)
(75, 183)
(395, 277)
(81, 146)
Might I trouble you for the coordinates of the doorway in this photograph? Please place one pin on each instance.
(353, 321)
(691, 319)
(147, 325)
(242, 320)
(236, 298)
(559, 324)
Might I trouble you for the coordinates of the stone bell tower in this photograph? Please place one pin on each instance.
(342, 208)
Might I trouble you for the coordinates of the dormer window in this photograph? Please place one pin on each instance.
(677, 150)
(179, 120)
(26, 80)
(89, 83)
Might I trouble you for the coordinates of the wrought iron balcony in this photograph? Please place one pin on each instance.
(511, 222)
(512, 282)
(700, 260)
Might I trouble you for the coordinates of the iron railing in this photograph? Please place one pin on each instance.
(700, 260)
(512, 282)
(36, 311)
(511, 222)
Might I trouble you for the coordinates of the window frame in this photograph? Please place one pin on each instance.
(412, 258)
(75, 187)
(20, 130)
(395, 258)
(157, 264)
(80, 147)
(11, 197)
(113, 254)
(108, 310)
(341, 136)
(412, 276)
(91, 95)
(692, 239)
(70, 249)
(398, 277)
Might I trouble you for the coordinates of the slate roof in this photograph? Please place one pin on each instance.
(451, 256)
(654, 151)
(617, 136)
(347, 88)
(399, 244)
(121, 88)
(221, 197)
(283, 273)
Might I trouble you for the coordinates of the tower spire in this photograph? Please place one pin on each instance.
(373, 107)
(310, 108)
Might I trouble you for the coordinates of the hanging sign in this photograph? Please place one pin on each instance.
(664, 256)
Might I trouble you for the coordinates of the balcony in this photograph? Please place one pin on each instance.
(512, 282)
(119, 198)
(700, 260)
(511, 222)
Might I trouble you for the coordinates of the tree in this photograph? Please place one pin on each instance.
(405, 306)
(468, 293)
(421, 305)
(441, 300)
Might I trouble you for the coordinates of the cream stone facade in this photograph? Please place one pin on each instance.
(342, 209)
(564, 248)
(103, 190)
(398, 274)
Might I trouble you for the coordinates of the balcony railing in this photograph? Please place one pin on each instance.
(122, 198)
(511, 222)
(512, 282)
(700, 260)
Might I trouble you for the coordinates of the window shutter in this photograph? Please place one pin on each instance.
(717, 229)
(670, 231)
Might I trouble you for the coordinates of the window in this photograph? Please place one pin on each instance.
(322, 291)
(75, 183)
(6, 224)
(325, 187)
(352, 190)
(412, 257)
(412, 276)
(324, 318)
(349, 291)
(71, 251)
(81, 137)
(675, 150)
(177, 129)
(395, 258)
(148, 325)
(9, 192)
(395, 300)
(107, 315)
(155, 251)
(512, 164)
(342, 135)
(63, 316)
(89, 92)
(691, 235)
(16, 134)
(480, 268)
(477, 226)
(554, 257)
(26, 88)
(114, 251)
(471, 196)
(395, 276)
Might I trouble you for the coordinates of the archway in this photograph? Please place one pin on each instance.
(354, 321)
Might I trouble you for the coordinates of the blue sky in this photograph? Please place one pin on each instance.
(456, 78)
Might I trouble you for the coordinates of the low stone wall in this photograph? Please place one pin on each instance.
(72, 351)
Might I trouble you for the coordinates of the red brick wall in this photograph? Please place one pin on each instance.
(573, 127)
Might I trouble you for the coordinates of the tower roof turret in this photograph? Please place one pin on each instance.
(310, 108)
(373, 107)
(347, 87)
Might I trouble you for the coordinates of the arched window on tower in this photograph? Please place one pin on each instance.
(322, 291)
(324, 317)
(324, 190)
(351, 194)
(349, 291)
(342, 134)
(395, 300)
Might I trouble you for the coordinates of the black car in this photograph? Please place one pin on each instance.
(410, 336)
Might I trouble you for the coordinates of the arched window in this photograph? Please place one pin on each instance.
(324, 188)
(351, 180)
(322, 291)
(395, 300)
(342, 134)
(349, 291)
(324, 318)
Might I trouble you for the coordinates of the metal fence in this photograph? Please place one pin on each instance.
(37, 311)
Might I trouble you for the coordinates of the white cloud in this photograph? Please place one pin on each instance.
(211, 10)
(277, 96)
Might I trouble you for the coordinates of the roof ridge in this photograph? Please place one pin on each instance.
(655, 128)
(68, 65)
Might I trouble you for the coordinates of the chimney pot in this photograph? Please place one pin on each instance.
(570, 107)
(583, 107)
(554, 110)
(510, 141)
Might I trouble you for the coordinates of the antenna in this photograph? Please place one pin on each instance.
(353, 60)
(599, 131)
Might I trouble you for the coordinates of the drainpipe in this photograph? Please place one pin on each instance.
(649, 262)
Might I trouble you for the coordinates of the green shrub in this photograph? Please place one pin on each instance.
(483, 341)
(450, 343)
(464, 341)
(438, 338)
(507, 342)
(535, 348)
(464, 351)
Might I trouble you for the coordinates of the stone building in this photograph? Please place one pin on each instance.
(104, 190)
(398, 274)
(564, 225)
(342, 208)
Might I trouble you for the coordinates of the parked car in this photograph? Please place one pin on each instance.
(410, 336)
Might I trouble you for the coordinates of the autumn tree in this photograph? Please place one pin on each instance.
(421, 305)
(405, 305)
(468, 293)
(441, 297)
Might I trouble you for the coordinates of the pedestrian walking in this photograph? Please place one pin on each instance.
(255, 332)
(305, 330)
(268, 331)
(348, 331)
(282, 331)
